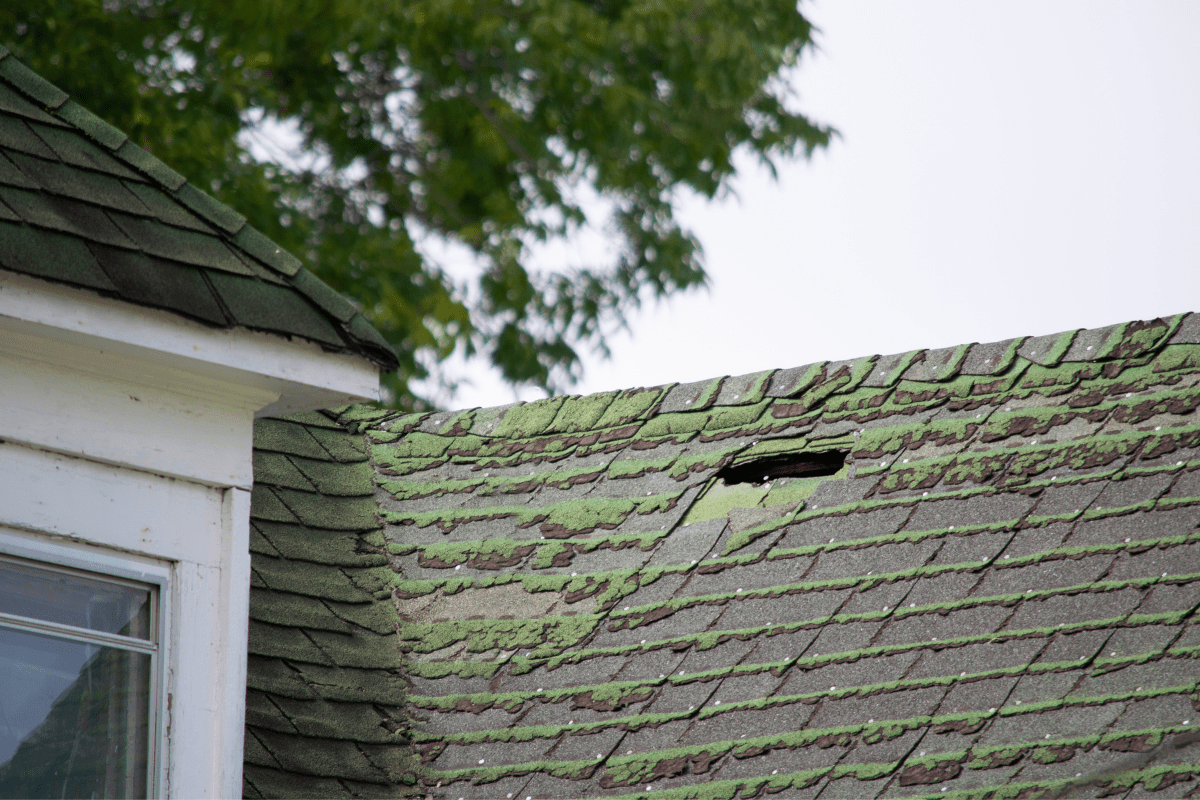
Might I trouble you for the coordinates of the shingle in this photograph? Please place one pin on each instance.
(940, 627)
(210, 209)
(267, 782)
(31, 84)
(848, 674)
(282, 436)
(64, 216)
(1181, 559)
(1140, 526)
(379, 348)
(295, 611)
(1140, 640)
(277, 470)
(323, 295)
(978, 510)
(330, 512)
(180, 245)
(343, 446)
(1035, 540)
(14, 103)
(1046, 575)
(158, 204)
(802, 607)
(320, 757)
(1072, 609)
(160, 284)
(310, 580)
(839, 711)
(11, 176)
(991, 358)
(818, 530)
(1073, 647)
(1131, 491)
(50, 255)
(1166, 598)
(256, 304)
(76, 149)
(982, 695)
(945, 588)
(897, 557)
(135, 156)
(17, 135)
(283, 641)
(846, 637)
(58, 178)
(8, 215)
(266, 251)
(1047, 350)
(92, 125)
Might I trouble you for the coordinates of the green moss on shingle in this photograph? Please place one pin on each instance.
(526, 420)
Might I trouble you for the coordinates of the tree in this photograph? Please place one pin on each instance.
(448, 120)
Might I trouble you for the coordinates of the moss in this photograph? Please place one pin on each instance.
(1178, 357)
(635, 468)
(737, 416)
(433, 670)
(526, 420)
(674, 424)
(717, 500)
(702, 462)
(546, 554)
(630, 405)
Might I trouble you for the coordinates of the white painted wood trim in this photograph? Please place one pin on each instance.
(299, 373)
(235, 591)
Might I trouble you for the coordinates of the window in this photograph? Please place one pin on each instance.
(79, 675)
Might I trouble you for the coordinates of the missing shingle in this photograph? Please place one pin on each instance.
(790, 465)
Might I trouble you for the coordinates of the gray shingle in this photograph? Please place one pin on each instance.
(30, 83)
(81, 152)
(154, 282)
(16, 135)
(92, 125)
(58, 178)
(181, 245)
(50, 255)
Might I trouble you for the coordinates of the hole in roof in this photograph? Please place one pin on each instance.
(788, 465)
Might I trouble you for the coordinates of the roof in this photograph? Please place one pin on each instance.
(325, 696)
(994, 595)
(82, 205)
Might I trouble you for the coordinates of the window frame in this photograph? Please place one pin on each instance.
(113, 566)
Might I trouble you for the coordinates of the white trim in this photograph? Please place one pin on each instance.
(235, 591)
(299, 373)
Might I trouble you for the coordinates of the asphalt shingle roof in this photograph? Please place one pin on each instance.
(80, 204)
(325, 696)
(995, 596)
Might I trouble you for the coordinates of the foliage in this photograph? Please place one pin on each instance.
(433, 121)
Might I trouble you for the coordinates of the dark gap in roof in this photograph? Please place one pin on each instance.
(789, 465)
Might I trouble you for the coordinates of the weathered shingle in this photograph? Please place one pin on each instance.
(994, 597)
(325, 693)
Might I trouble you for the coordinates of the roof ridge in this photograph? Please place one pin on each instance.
(231, 226)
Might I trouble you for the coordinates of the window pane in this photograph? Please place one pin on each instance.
(74, 600)
(74, 718)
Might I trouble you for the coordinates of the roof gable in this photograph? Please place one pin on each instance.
(997, 593)
(82, 205)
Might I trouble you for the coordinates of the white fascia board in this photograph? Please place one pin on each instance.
(299, 374)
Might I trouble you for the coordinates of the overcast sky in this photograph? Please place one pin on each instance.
(1004, 169)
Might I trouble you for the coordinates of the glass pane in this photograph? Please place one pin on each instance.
(74, 600)
(74, 718)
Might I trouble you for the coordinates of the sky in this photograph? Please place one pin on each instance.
(1004, 169)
